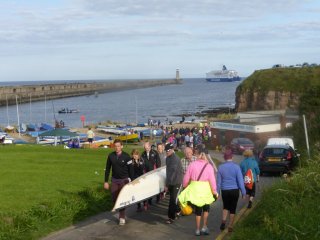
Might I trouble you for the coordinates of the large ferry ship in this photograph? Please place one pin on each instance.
(223, 75)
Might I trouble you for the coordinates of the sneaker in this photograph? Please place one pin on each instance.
(205, 231)
(197, 233)
(122, 221)
(169, 221)
(250, 204)
(222, 226)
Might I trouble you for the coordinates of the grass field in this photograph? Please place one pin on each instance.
(45, 188)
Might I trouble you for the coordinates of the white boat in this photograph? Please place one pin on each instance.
(223, 75)
(143, 187)
(5, 138)
(115, 131)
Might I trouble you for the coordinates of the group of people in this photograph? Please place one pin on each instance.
(185, 136)
(193, 181)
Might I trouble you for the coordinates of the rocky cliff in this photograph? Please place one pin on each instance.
(275, 89)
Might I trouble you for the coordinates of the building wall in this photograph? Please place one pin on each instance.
(222, 137)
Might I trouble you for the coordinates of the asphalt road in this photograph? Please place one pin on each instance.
(151, 224)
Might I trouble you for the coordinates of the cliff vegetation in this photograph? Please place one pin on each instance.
(276, 88)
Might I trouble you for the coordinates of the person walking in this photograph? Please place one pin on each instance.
(151, 160)
(250, 163)
(189, 158)
(138, 169)
(229, 181)
(174, 176)
(200, 189)
(122, 172)
(162, 154)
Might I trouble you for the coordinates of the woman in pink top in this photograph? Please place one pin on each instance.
(200, 188)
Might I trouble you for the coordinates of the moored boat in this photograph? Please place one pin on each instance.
(67, 110)
(97, 143)
(128, 138)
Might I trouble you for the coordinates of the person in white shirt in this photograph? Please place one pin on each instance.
(90, 137)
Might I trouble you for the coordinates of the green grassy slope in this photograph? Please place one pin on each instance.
(44, 189)
(282, 79)
(288, 210)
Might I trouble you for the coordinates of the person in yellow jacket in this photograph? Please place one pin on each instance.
(200, 189)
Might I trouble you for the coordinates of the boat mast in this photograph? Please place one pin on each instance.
(19, 127)
(30, 109)
(45, 108)
(7, 110)
(136, 110)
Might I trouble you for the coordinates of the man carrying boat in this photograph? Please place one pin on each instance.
(122, 172)
(151, 160)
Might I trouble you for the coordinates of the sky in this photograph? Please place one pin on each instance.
(142, 39)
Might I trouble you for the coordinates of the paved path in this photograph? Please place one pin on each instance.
(151, 224)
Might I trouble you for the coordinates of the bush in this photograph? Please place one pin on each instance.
(288, 210)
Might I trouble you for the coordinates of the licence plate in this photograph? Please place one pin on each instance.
(274, 159)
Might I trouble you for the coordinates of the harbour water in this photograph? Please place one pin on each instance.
(129, 106)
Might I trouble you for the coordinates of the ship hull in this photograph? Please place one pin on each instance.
(234, 79)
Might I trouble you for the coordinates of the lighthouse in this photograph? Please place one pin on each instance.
(177, 74)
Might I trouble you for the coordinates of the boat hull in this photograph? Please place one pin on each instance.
(234, 79)
(129, 138)
(97, 144)
(143, 187)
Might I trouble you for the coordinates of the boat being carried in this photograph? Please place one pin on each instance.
(223, 75)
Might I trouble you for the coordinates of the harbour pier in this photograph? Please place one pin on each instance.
(24, 93)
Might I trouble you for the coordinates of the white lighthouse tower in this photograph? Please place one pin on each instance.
(177, 74)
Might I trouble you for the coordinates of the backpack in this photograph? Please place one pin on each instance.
(248, 179)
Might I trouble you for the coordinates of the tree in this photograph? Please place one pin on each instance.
(310, 107)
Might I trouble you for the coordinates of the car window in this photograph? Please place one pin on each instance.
(275, 151)
(245, 141)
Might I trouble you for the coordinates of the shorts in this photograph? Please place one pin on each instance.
(251, 192)
(90, 140)
(230, 199)
(198, 210)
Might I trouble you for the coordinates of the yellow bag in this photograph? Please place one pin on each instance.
(186, 210)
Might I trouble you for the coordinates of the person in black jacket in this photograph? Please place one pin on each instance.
(138, 169)
(174, 177)
(122, 173)
(151, 161)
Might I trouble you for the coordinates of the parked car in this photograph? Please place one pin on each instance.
(281, 141)
(278, 158)
(239, 145)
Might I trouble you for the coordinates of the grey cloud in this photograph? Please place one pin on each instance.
(189, 8)
(88, 21)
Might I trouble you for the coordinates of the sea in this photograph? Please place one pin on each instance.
(164, 103)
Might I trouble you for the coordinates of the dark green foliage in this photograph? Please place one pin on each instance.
(294, 80)
(288, 210)
(310, 107)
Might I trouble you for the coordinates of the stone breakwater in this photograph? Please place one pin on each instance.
(25, 93)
